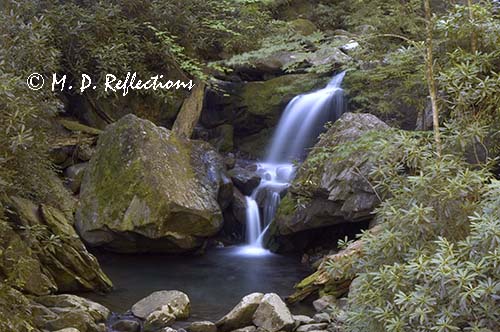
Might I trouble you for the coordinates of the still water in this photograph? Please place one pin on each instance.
(214, 282)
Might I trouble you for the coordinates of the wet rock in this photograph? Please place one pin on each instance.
(225, 195)
(230, 161)
(74, 176)
(241, 315)
(273, 315)
(126, 325)
(174, 302)
(159, 319)
(204, 326)
(148, 190)
(239, 206)
(246, 181)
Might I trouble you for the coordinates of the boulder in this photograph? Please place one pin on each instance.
(334, 178)
(173, 302)
(159, 319)
(147, 190)
(241, 315)
(226, 188)
(246, 181)
(71, 311)
(203, 326)
(273, 315)
(239, 206)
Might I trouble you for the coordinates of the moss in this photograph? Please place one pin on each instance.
(76, 126)
(287, 206)
(262, 98)
(303, 26)
(147, 181)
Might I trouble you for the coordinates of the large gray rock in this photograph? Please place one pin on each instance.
(336, 182)
(241, 315)
(273, 315)
(174, 302)
(147, 190)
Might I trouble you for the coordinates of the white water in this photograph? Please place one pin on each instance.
(301, 123)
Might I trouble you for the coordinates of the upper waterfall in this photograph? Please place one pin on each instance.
(304, 119)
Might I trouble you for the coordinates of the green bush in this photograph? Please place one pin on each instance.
(434, 264)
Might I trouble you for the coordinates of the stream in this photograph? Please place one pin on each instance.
(214, 281)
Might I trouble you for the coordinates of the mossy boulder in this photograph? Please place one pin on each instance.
(332, 185)
(147, 190)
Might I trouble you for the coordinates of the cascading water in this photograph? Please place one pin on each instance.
(302, 121)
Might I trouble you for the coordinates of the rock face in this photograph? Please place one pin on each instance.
(241, 315)
(334, 179)
(43, 265)
(273, 315)
(147, 190)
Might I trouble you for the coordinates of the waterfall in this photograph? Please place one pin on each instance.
(301, 123)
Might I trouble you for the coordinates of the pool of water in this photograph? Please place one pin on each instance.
(214, 282)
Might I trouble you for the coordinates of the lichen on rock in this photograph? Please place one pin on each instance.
(148, 190)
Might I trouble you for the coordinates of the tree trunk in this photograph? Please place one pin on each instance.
(431, 82)
(473, 37)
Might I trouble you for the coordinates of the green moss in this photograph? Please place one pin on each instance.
(262, 98)
(287, 206)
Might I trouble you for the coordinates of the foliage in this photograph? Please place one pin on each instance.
(391, 60)
(434, 264)
(24, 165)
